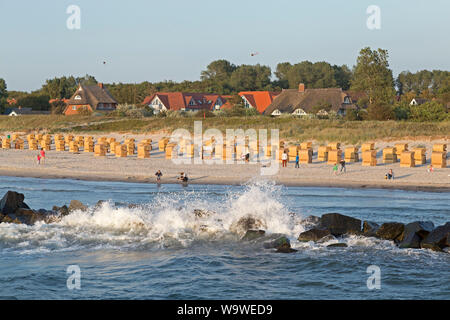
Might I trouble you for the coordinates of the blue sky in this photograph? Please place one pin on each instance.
(176, 39)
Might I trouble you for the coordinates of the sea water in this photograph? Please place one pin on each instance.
(144, 242)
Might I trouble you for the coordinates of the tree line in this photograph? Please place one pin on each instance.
(384, 96)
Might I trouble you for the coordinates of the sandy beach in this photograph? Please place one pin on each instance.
(85, 166)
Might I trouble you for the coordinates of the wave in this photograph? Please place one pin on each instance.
(167, 221)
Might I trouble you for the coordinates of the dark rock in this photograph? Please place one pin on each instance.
(1, 217)
(285, 248)
(337, 245)
(253, 234)
(12, 201)
(62, 211)
(391, 231)
(326, 238)
(438, 239)
(247, 223)
(313, 235)
(199, 213)
(277, 243)
(76, 205)
(415, 232)
(370, 228)
(338, 224)
(29, 216)
(8, 219)
(311, 221)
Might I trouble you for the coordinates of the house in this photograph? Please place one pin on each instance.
(91, 98)
(14, 112)
(258, 100)
(302, 102)
(182, 101)
(418, 101)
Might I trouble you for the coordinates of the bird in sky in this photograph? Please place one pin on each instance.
(254, 54)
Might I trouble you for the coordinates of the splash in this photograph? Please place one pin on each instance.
(170, 221)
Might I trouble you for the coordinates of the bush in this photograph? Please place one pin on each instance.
(133, 111)
(429, 111)
(401, 111)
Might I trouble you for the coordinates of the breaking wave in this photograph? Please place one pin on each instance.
(169, 221)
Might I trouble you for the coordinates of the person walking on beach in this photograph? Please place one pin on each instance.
(343, 166)
(297, 161)
(43, 155)
(158, 175)
(38, 158)
(390, 175)
(335, 169)
(284, 158)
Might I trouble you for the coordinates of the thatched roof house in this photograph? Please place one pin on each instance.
(303, 101)
(90, 98)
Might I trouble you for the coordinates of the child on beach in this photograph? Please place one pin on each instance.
(389, 175)
(335, 169)
(430, 168)
(43, 155)
(284, 158)
(38, 158)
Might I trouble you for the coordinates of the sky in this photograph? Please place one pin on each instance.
(148, 40)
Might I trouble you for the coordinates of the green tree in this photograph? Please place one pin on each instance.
(248, 77)
(373, 76)
(313, 75)
(3, 95)
(35, 101)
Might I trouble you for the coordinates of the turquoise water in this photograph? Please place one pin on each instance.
(157, 248)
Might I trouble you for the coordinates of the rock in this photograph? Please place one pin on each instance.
(62, 211)
(12, 201)
(247, 223)
(253, 234)
(415, 232)
(438, 239)
(29, 216)
(8, 219)
(199, 213)
(370, 228)
(311, 221)
(285, 248)
(326, 238)
(313, 235)
(277, 243)
(391, 231)
(1, 217)
(338, 224)
(76, 205)
(337, 245)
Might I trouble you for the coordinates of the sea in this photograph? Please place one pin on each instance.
(143, 241)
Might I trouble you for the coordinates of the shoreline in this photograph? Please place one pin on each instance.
(391, 185)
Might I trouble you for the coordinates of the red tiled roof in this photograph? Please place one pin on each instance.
(259, 100)
(180, 100)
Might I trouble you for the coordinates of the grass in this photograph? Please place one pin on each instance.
(292, 129)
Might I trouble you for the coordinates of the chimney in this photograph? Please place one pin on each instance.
(301, 87)
(100, 84)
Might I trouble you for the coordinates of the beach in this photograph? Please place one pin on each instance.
(84, 166)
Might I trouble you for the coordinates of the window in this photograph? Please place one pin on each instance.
(74, 107)
(77, 97)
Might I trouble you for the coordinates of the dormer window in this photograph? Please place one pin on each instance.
(192, 102)
(77, 97)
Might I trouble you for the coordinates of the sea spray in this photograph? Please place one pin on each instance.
(167, 221)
